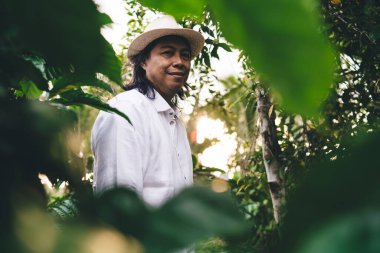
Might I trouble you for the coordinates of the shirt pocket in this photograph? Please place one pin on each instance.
(156, 196)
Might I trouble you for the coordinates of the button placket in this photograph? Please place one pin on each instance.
(172, 118)
(172, 124)
(174, 128)
(180, 164)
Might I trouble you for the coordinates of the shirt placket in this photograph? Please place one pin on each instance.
(173, 123)
(174, 133)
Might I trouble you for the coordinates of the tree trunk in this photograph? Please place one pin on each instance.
(271, 150)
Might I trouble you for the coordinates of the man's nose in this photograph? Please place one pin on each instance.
(178, 61)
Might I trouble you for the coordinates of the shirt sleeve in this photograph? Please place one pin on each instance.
(117, 148)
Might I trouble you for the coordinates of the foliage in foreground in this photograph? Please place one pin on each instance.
(336, 209)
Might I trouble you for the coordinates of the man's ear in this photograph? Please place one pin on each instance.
(143, 65)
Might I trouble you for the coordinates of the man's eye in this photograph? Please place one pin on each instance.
(186, 56)
(167, 53)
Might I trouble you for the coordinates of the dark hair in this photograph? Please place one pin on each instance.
(139, 80)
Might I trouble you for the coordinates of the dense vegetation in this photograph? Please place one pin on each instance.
(316, 66)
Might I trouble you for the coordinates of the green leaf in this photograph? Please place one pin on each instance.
(124, 210)
(214, 52)
(329, 199)
(194, 214)
(14, 69)
(71, 82)
(194, 159)
(225, 47)
(178, 8)
(38, 62)
(39, 149)
(207, 30)
(66, 34)
(30, 90)
(357, 232)
(206, 60)
(63, 207)
(283, 41)
(78, 97)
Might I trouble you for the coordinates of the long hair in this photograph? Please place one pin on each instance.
(139, 79)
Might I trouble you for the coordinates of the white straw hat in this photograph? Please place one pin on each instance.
(164, 26)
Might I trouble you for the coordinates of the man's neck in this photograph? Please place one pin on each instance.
(167, 98)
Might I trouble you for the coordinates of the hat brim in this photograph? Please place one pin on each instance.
(194, 38)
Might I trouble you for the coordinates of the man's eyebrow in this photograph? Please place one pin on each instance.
(167, 46)
(172, 47)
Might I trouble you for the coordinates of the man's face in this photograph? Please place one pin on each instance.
(168, 65)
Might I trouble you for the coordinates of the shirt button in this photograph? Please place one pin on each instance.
(171, 113)
(172, 122)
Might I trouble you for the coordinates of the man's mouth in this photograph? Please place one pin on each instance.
(178, 74)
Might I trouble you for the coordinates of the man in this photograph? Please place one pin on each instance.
(152, 156)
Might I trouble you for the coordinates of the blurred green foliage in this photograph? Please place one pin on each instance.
(178, 8)
(42, 29)
(43, 51)
(336, 209)
(212, 245)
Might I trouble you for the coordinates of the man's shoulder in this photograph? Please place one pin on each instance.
(131, 97)
(133, 103)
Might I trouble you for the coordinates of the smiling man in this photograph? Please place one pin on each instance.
(168, 66)
(152, 156)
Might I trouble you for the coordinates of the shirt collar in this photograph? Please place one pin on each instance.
(161, 105)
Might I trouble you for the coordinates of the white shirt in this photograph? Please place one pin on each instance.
(152, 156)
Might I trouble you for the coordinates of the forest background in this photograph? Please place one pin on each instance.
(305, 113)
